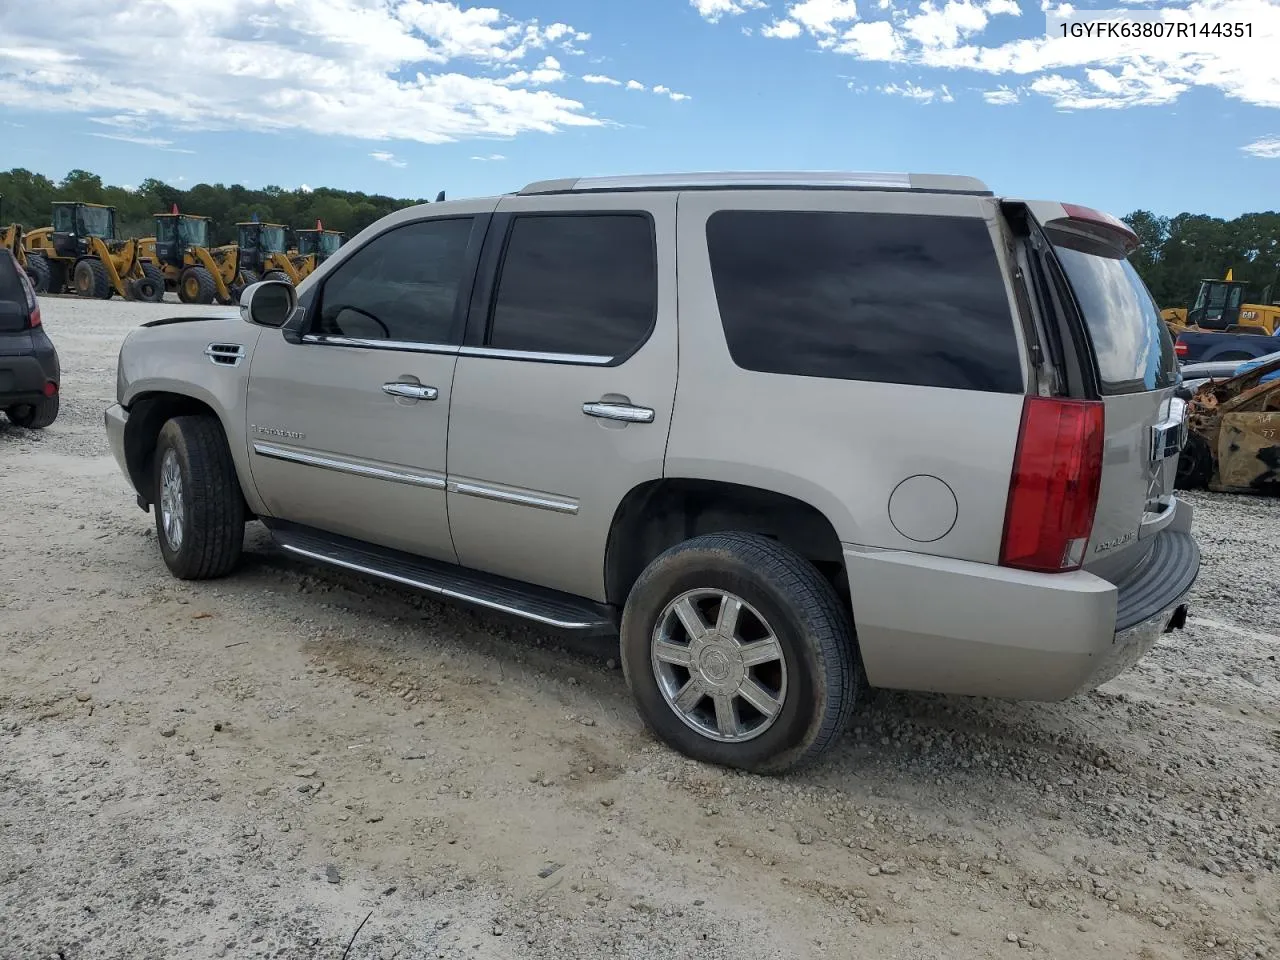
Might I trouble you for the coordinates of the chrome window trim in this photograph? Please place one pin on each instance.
(410, 346)
(482, 491)
(275, 452)
(498, 353)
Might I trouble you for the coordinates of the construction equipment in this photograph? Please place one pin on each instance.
(315, 246)
(1233, 439)
(1219, 306)
(264, 253)
(11, 238)
(80, 250)
(180, 257)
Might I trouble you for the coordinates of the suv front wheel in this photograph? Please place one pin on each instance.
(739, 652)
(199, 507)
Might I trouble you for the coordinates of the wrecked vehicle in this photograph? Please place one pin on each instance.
(1233, 441)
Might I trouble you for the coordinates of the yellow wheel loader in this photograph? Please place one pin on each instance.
(1219, 306)
(315, 246)
(179, 256)
(79, 253)
(264, 253)
(11, 239)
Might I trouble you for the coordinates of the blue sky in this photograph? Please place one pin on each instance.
(409, 97)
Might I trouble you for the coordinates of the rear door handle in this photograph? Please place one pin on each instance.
(626, 412)
(413, 391)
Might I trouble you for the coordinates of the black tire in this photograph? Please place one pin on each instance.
(91, 280)
(805, 614)
(34, 416)
(277, 275)
(211, 507)
(244, 280)
(196, 285)
(1195, 464)
(149, 288)
(39, 272)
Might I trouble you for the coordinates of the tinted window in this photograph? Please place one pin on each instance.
(576, 284)
(864, 296)
(1132, 345)
(402, 285)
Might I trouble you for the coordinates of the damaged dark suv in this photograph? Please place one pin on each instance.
(29, 368)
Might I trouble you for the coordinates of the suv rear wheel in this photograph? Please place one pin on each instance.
(34, 416)
(199, 507)
(739, 652)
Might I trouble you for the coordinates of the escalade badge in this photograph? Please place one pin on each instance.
(278, 432)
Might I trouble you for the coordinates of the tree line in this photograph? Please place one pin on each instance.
(1177, 252)
(25, 198)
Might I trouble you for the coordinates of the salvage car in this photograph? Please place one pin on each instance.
(1233, 444)
(689, 412)
(30, 371)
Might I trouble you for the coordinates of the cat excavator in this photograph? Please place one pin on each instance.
(179, 257)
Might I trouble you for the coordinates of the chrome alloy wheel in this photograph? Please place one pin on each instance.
(171, 499)
(719, 665)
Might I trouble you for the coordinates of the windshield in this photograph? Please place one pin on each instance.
(193, 233)
(272, 239)
(329, 243)
(1133, 346)
(96, 222)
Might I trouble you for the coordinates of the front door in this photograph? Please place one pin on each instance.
(563, 392)
(348, 430)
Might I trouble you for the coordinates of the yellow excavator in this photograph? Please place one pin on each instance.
(179, 257)
(80, 251)
(1219, 306)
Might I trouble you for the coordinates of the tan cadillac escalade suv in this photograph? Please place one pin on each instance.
(786, 436)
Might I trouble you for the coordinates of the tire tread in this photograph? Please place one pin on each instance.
(216, 514)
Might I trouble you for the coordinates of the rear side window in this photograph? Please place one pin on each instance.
(577, 284)
(1133, 348)
(11, 287)
(864, 296)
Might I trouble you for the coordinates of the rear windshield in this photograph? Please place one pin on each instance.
(1133, 347)
(11, 292)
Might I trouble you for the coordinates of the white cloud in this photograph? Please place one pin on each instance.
(635, 85)
(1001, 97)
(1074, 72)
(382, 156)
(922, 94)
(600, 78)
(713, 10)
(1268, 148)
(490, 157)
(668, 92)
(373, 69)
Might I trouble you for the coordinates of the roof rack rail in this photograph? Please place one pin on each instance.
(845, 180)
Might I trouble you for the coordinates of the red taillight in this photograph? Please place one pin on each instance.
(34, 318)
(1053, 494)
(50, 388)
(1180, 348)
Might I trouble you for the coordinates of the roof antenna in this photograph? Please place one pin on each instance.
(440, 197)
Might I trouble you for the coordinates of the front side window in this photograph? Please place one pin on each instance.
(890, 298)
(401, 286)
(64, 220)
(576, 284)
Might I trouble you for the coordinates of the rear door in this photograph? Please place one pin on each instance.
(1136, 374)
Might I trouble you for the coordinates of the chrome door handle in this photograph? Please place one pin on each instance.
(414, 391)
(625, 412)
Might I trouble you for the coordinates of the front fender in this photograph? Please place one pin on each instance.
(171, 360)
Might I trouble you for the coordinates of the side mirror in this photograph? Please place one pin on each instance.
(268, 303)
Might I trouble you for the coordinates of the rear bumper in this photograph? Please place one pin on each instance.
(951, 626)
(23, 377)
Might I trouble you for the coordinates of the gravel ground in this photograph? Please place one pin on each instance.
(258, 766)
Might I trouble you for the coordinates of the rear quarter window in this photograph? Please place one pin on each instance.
(889, 298)
(10, 285)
